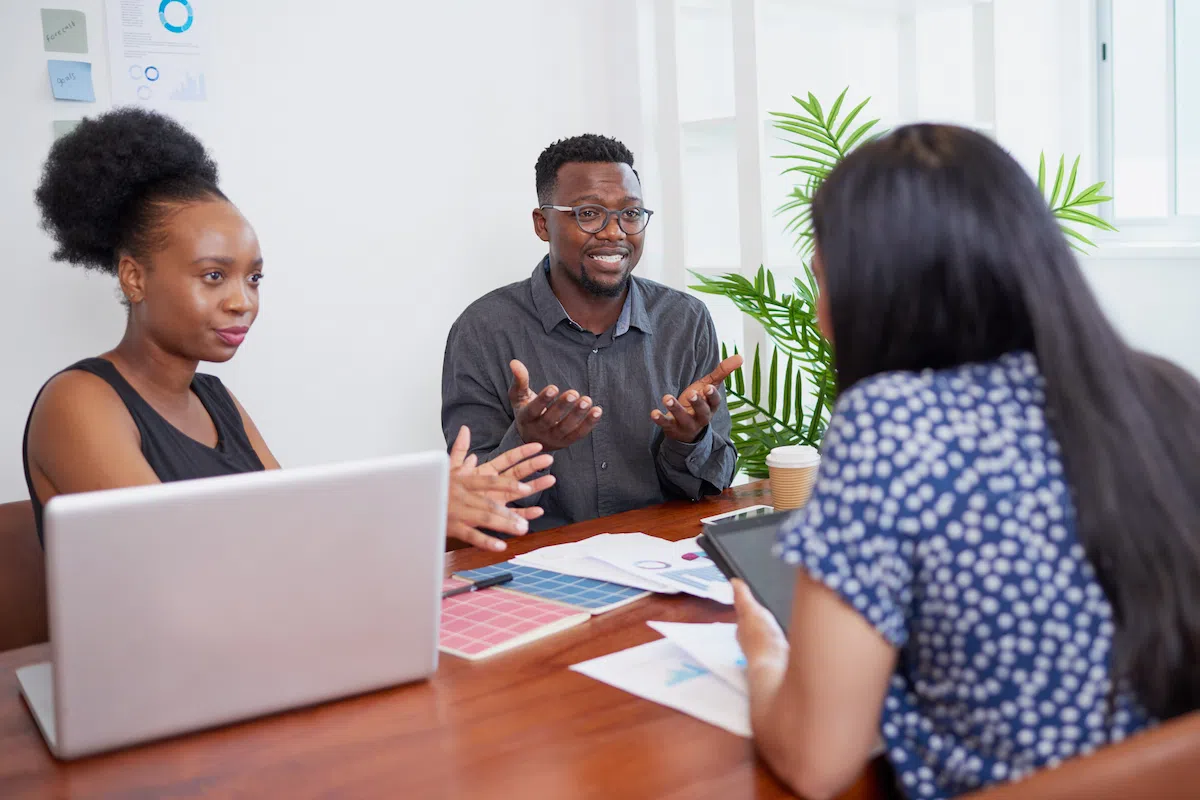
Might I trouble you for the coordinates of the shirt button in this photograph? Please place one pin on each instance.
(603, 465)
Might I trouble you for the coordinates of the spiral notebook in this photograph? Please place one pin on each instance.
(479, 624)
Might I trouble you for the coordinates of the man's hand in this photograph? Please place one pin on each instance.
(686, 418)
(549, 418)
(479, 494)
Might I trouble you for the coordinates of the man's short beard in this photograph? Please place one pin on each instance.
(598, 289)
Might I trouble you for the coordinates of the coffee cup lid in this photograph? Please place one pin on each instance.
(794, 455)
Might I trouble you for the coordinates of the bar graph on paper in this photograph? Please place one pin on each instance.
(191, 90)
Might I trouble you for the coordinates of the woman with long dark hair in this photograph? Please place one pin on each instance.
(999, 568)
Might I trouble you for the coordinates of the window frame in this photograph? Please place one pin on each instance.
(1173, 227)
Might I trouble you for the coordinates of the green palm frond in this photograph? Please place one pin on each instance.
(785, 396)
(823, 139)
(1068, 206)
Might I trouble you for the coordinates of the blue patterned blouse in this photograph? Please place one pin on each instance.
(942, 515)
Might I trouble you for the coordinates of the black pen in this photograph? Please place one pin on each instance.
(495, 580)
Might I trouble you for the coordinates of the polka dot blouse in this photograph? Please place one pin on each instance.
(942, 515)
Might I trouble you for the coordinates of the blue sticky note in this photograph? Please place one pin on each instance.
(71, 80)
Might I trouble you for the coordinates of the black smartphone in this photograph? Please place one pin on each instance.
(741, 513)
(744, 549)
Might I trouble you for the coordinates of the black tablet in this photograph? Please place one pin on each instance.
(742, 549)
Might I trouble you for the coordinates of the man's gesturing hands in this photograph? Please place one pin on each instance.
(686, 418)
(552, 419)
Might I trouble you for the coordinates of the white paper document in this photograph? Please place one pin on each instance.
(713, 645)
(159, 51)
(698, 669)
(637, 560)
(579, 559)
(681, 565)
(664, 673)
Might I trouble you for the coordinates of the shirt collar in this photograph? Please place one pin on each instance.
(551, 312)
(635, 307)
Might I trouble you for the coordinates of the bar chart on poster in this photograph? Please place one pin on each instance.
(159, 52)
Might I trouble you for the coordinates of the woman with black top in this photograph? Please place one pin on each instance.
(133, 194)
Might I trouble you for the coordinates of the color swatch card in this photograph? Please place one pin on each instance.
(490, 621)
(571, 590)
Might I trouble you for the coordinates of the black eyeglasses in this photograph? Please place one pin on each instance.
(594, 218)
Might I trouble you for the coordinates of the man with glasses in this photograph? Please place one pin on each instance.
(633, 405)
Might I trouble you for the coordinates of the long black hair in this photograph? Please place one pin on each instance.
(939, 250)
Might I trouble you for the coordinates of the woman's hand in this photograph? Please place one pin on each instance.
(816, 693)
(480, 493)
(759, 635)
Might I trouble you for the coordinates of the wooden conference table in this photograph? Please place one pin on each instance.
(515, 725)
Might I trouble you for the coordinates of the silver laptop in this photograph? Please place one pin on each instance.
(187, 605)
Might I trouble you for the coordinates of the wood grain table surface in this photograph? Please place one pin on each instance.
(516, 725)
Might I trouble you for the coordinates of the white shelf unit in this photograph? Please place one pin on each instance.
(723, 65)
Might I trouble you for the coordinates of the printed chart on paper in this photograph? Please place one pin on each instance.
(159, 52)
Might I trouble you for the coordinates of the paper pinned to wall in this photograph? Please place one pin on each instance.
(71, 80)
(64, 30)
(159, 52)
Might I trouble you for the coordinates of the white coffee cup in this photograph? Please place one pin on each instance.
(793, 470)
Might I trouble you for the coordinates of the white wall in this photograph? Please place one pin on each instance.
(384, 152)
(1150, 293)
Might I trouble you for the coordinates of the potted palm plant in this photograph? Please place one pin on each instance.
(786, 398)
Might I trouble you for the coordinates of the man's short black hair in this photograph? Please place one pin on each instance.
(590, 148)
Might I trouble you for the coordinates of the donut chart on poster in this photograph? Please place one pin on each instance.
(178, 10)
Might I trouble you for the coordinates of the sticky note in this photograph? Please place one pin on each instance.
(71, 80)
(64, 31)
(64, 126)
